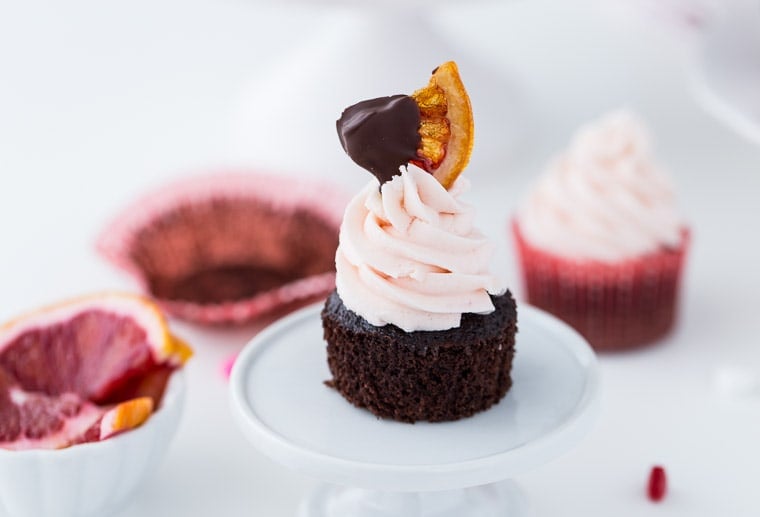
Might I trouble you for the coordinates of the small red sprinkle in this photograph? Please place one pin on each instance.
(658, 484)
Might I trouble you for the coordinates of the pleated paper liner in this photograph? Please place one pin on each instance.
(614, 306)
(231, 247)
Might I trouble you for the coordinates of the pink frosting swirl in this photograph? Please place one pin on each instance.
(605, 199)
(409, 255)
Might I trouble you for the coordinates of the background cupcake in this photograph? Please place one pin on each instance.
(599, 240)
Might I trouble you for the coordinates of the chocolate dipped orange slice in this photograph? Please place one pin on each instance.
(432, 128)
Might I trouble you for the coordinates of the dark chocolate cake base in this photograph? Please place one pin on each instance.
(425, 375)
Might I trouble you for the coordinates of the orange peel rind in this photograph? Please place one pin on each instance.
(446, 125)
(125, 416)
(164, 345)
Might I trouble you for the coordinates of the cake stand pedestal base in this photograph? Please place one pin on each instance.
(503, 499)
(383, 468)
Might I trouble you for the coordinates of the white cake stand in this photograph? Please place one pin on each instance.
(383, 468)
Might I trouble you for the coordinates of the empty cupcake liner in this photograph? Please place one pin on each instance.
(614, 306)
(228, 248)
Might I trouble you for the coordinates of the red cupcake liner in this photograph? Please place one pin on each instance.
(201, 223)
(614, 306)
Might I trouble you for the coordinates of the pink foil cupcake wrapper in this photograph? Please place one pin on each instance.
(614, 306)
(241, 311)
(279, 194)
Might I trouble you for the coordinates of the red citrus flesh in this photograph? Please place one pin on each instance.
(65, 367)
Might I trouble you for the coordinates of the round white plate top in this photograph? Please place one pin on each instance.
(282, 403)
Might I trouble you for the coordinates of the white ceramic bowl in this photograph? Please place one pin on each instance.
(91, 479)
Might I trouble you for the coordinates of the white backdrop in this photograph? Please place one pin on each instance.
(100, 102)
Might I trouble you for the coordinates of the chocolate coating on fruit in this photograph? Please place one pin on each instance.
(381, 134)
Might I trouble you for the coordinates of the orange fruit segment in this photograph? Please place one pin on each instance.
(125, 416)
(446, 125)
(83, 369)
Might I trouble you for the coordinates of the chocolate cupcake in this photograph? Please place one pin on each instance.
(417, 328)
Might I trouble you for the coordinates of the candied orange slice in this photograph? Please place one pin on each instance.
(83, 370)
(446, 125)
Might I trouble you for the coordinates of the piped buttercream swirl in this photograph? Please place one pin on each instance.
(410, 256)
(605, 199)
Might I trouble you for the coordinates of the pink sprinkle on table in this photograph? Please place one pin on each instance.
(227, 365)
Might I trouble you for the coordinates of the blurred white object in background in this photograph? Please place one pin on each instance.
(682, 20)
(727, 67)
(721, 39)
(285, 119)
(737, 381)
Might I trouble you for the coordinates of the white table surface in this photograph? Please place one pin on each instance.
(100, 101)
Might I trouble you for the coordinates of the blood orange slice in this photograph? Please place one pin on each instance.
(83, 370)
(446, 125)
